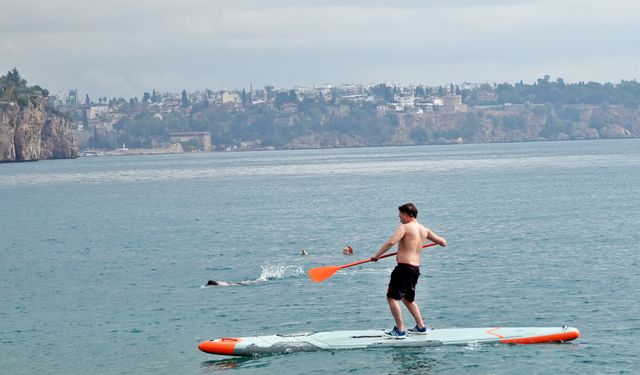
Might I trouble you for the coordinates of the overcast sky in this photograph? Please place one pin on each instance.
(124, 48)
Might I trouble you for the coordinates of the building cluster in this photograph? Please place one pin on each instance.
(104, 113)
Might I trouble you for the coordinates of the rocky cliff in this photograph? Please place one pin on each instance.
(32, 132)
(519, 123)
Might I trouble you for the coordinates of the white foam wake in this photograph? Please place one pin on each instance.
(279, 271)
(269, 272)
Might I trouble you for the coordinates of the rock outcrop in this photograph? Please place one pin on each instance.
(519, 123)
(34, 132)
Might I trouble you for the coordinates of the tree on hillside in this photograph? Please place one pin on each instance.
(269, 90)
(14, 88)
(382, 91)
(13, 78)
(286, 97)
(184, 103)
(85, 120)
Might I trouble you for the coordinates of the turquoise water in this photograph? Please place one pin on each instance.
(104, 259)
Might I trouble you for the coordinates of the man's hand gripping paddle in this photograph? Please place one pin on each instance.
(319, 274)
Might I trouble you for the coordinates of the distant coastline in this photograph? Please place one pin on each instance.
(316, 117)
(496, 124)
(359, 116)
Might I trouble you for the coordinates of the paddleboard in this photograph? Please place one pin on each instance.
(361, 339)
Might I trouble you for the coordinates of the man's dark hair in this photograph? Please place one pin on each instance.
(409, 209)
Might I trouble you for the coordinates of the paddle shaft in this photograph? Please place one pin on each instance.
(383, 256)
(322, 273)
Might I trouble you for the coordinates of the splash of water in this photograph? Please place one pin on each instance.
(473, 345)
(269, 272)
(279, 271)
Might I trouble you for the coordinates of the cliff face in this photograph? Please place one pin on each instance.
(520, 123)
(513, 123)
(33, 132)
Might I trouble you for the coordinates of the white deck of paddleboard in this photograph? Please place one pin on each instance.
(354, 339)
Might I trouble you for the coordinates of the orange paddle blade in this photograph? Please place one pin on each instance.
(322, 273)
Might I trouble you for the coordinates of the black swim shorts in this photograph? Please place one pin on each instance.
(403, 282)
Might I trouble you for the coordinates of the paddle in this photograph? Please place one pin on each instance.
(319, 274)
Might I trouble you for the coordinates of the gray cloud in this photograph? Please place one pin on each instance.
(123, 48)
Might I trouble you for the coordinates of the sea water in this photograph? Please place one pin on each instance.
(104, 260)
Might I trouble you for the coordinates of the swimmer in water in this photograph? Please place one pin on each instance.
(225, 283)
(217, 283)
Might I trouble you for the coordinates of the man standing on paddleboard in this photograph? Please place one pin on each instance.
(410, 237)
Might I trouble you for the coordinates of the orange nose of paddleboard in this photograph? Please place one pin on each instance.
(569, 335)
(219, 346)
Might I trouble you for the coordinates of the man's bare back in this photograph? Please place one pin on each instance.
(410, 237)
(410, 245)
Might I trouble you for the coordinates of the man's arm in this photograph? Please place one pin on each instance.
(397, 236)
(437, 239)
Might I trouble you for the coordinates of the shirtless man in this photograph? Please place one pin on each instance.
(410, 237)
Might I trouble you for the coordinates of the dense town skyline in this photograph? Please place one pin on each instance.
(100, 49)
